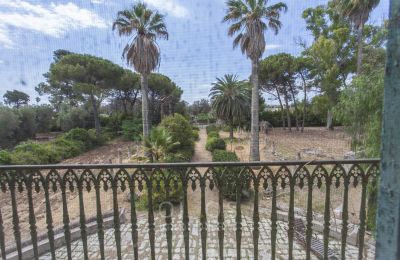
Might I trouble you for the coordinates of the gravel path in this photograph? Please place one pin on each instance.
(200, 152)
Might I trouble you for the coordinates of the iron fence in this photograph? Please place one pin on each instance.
(20, 184)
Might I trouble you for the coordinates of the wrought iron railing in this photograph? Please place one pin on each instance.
(26, 190)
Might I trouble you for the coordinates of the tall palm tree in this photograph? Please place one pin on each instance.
(249, 20)
(357, 11)
(230, 100)
(142, 52)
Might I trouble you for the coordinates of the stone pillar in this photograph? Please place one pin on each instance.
(388, 221)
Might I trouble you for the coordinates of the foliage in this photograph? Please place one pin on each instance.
(33, 153)
(200, 107)
(227, 178)
(5, 157)
(215, 143)
(277, 77)
(159, 143)
(9, 124)
(126, 91)
(16, 98)
(132, 129)
(275, 119)
(249, 19)
(159, 198)
(65, 146)
(144, 26)
(205, 118)
(91, 78)
(360, 110)
(357, 11)
(213, 134)
(27, 125)
(220, 155)
(181, 132)
(230, 100)
(81, 135)
(211, 128)
(195, 134)
(73, 117)
(164, 96)
(45, 118)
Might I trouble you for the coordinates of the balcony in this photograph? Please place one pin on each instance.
(257, 210)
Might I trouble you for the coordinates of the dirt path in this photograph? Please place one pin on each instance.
(200, 152)
(194, 197)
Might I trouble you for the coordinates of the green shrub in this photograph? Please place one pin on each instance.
(227, 177)
(211, 128)
(182, 132)
(213, 134)
(180, 129)
(215, 143)
(224, 156)
(81, 135)
(159, 197)
(195, 134)
(5, 157)
(65, 148)
(33, 153)
(132, 129)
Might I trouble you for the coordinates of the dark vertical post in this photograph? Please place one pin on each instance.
(2, 243)
(388, 232)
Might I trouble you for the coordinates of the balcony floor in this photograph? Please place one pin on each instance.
(195, 240)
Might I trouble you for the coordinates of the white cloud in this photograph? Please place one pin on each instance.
(272, 46)
(171, 7)
(53, 20)
(97, 1)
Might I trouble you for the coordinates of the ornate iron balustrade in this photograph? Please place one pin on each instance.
(24, 183)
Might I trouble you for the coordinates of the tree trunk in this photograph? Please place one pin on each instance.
(329, 120)
(145, 106)
(289, 121)
(162, 111)
(133, 102)
(95, 115)
(170, 108)
(282, 109)
(231, 133)
(124, 107)
(359, 48)
(295, 107)
(254, 140)
(304, 108)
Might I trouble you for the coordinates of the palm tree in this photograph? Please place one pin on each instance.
(142, 52)
(250, 19)
(357, 11)
(230, 100)
(159, 143)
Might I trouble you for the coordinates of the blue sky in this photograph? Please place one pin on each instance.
(197, 51)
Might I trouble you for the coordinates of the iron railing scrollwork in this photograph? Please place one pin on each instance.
(27, 181)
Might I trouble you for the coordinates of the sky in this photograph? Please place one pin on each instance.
(198, 49)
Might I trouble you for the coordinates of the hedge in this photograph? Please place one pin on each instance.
(226, 177)
(213, 134)
(211, 128)
(215, 143)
